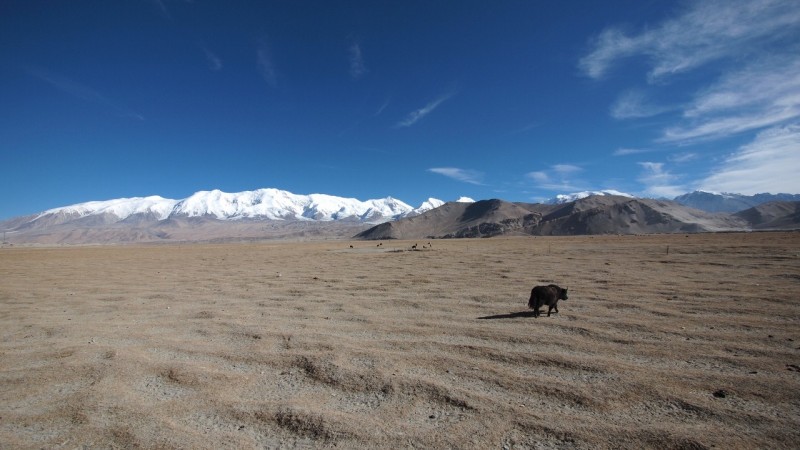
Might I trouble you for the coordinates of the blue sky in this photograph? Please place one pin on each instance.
(410, 99)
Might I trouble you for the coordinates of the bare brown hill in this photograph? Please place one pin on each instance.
(591, 215)
(772, 216)
(625, 215)
(459, 220)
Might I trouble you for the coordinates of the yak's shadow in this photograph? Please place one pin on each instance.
(513, 315)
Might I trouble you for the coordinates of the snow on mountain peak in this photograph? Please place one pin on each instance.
(429, 204)
(266, 203)
(122, 207)
(566, 198)
(277, 204)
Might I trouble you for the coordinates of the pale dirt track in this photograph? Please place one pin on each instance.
(205, 346)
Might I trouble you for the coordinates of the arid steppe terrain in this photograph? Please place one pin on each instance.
(666, 341)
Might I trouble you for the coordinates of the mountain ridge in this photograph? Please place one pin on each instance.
(730, 202)
(606, 214)
(208, 215)
(275, 214)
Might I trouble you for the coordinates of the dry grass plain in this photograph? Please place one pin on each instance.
(666, 341)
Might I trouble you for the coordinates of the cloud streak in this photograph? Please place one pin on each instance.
(763, 90)
(631, 151)
(682, 157)
(557, 178)
(214, 62)
(463, 175)
(383, 107)
(527, 128)
(770, 163)
(82, 92)
(357, 66)
(266, 68)
(161, 8)
(419, 114)
(634, 104)
(658, 181)
(763, 94)
(708, 31)
(745, 54)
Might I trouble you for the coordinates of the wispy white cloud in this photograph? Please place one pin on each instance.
(214, 62)
(526, 128)
(419, 114)
(357, 66)
(728, 125)
(658, 181)
(751, 51)
(707, 31)
(770, 163)
(265, 65)
(68, 86)
(383, 106)
(762, 94)
(160, 8)
(609, 46)
(682, 157)
(540, 177)
(623, 151)
(763, 90)
(769, 82)
(566, 169)
(635, 104)
(557, 178)
(82, 92)
(465, 175)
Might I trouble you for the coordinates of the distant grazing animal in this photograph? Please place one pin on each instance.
(546, 295)
(414, 247)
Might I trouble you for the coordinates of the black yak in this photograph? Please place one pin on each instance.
(546, 295)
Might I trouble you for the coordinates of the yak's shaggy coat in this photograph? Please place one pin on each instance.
(546, 295)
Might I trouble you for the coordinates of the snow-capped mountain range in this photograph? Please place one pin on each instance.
(272, 204)
(277, 214)
(276, 204)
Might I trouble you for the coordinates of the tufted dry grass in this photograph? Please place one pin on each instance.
(666, 342)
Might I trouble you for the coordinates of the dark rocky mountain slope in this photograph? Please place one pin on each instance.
(772, 216)
(590, 215)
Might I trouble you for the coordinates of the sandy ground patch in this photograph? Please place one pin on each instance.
(665, 342)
